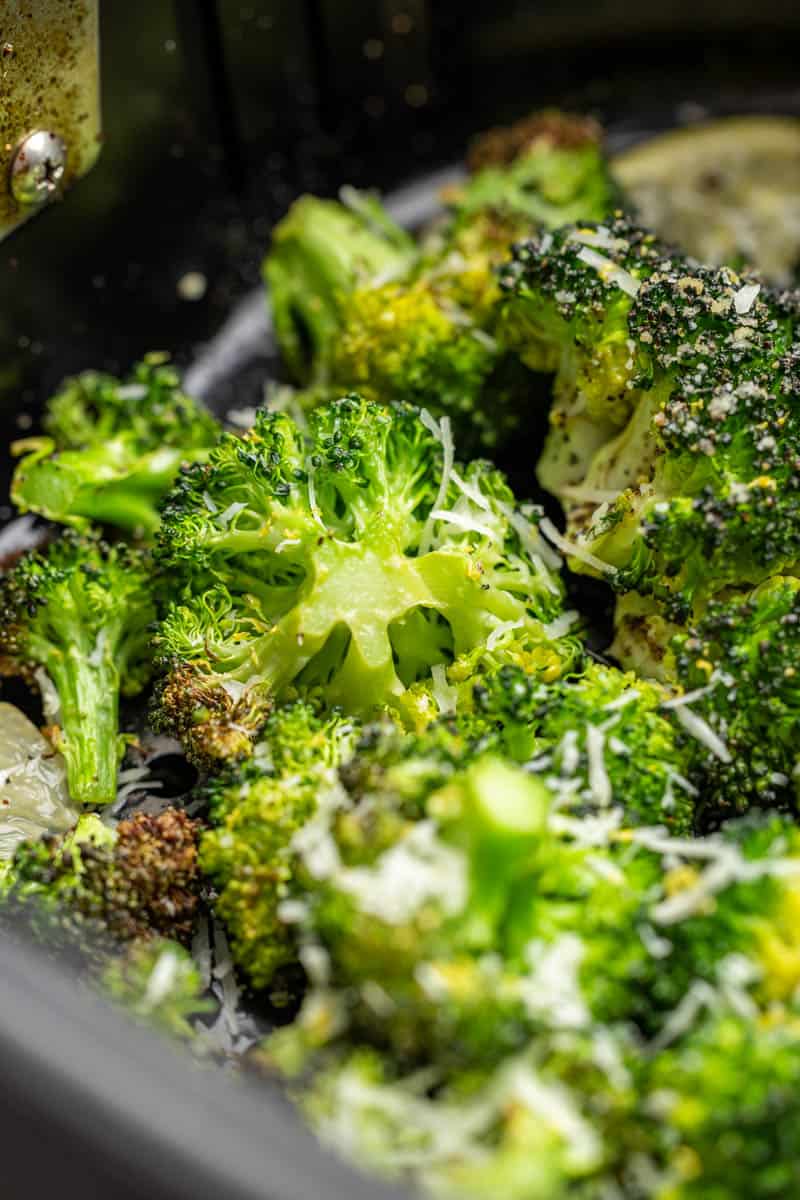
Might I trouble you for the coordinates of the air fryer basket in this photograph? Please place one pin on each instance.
(90, 1105)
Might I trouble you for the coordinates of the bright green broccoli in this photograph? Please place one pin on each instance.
(548, 168)
(100, 886)
(739, 664)
(696, 367)
(541, 1125)
(726, 1105)
(321, 252)
(255, 812)
(75, 622)
(600, 738)
(421, 330)
(451, 893)
(346, 565)
(113, 448)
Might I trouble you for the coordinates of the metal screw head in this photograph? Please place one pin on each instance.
(37, 168)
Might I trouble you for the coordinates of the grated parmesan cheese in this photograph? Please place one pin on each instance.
(700, 729)
(599, 781)
(444, 694)
(573, 549)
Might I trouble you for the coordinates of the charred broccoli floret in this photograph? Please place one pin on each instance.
(102, 886)
(113, 448)
(548, 168)
(696, 366)
(345, 565)
(76, 620)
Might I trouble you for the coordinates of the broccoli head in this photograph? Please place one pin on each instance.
(456, 935)
(113, 448)
(103, 886)
(438, 904)
(599, 738)
(696, 366)
(255, 812)
(321, 252)
(76, 621)
(420, 328)
(345, 565)
(726, 1099)
(539, 1125)
(415, 342)
(739, 664)
(548, 168)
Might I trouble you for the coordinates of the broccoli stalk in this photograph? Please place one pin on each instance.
(345, 566)
(75, 621)
(113, 448)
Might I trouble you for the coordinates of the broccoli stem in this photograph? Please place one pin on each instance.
(88, 682)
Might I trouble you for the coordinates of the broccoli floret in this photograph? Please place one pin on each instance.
(450, 891)
(421, 329)
(321, 252)
(728, 1110)
(414, 342)
(157, 982)
(536, 1126)
(256, 811)
(740, 663)
(102, 886)
(343, 565)
(75, 621)
(697, 491)
(114, 448)
(548, 168)
(599, 738)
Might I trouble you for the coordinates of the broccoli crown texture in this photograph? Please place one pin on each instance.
(548, 168)
(255, 812)
(356, 310)
(489, 938)
(346, 565)
(75, 621)
(740, 666)
(599, 738)
(113, 448)
(321, 252)
(698, 489)
(97, 884)
(727, 1105)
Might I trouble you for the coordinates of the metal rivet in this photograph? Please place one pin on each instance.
(37, 169)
